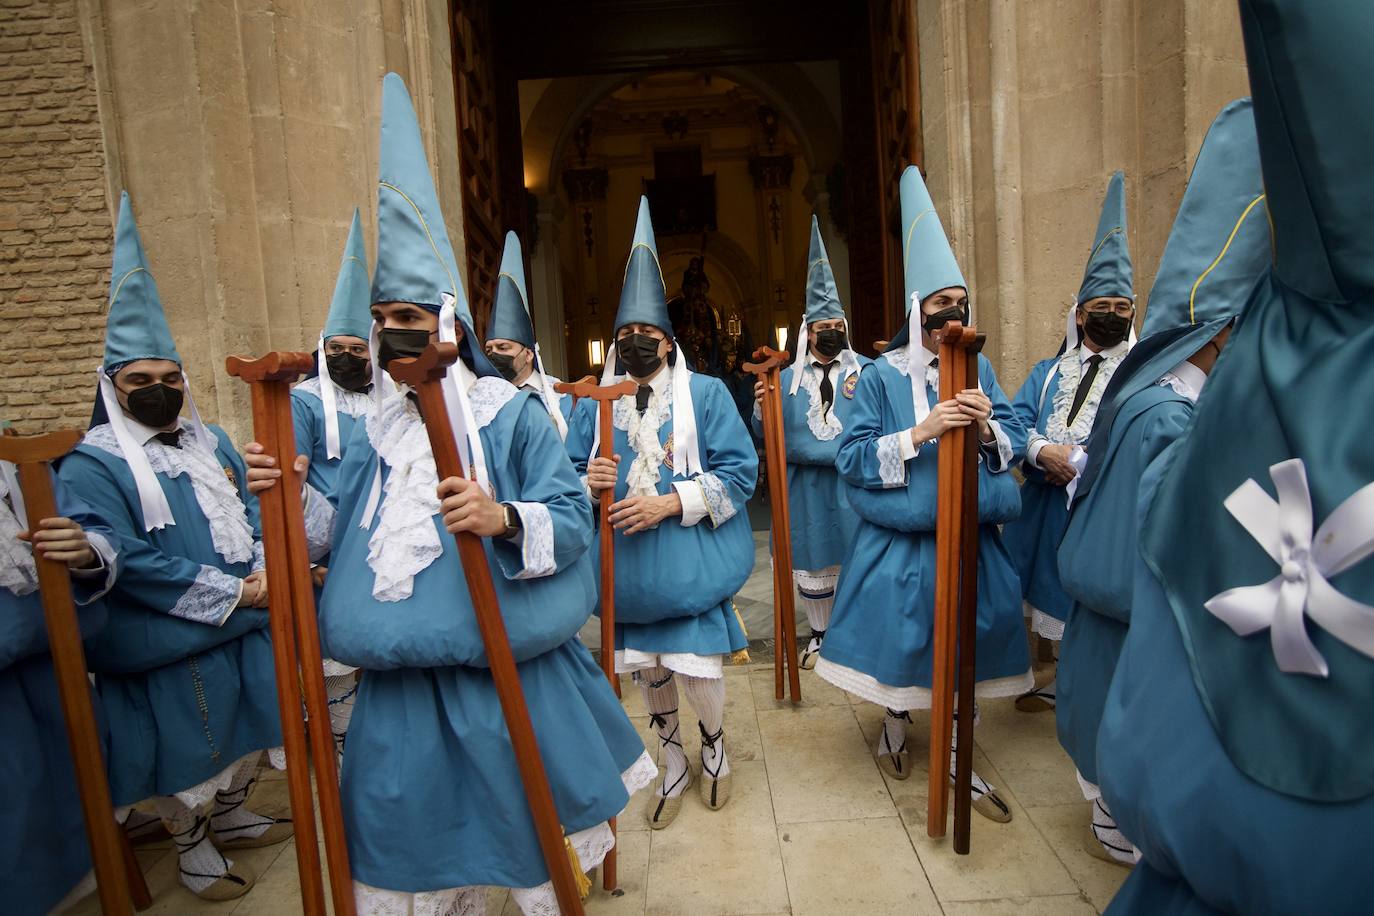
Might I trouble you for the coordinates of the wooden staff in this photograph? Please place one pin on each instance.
(296, 638)
(424, 374)
(606, 397)
(949, 524)
(968, 618)
(767, 369)
(110, 853)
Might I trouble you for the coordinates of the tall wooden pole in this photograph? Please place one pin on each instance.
(300, 668)
(767, 369)
(424, 374)
(31, 455)
(968, 620)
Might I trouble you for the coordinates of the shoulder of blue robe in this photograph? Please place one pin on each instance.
(1034, 401)
(545, 587)
(730, 463)
(23, 631)
(1097, 556)
(173, 588)
(901, 494)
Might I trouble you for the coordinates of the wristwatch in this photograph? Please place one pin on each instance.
(512, 521)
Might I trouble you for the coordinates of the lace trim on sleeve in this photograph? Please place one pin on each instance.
(891, 466)
(18, 572)
(536, 549)
(998, 449)
(718, 504)
(259, 557)
(320, 516)
(210, 598)
(109, 559)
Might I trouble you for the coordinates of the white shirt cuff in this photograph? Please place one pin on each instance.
(905, 446)
(1037, 442)
(693, 501)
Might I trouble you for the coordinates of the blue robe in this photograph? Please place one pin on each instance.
(822, 522)
(307, 415)
(431, 792)
(44, 852)
(1213, 839)
(185, 699)
(1097, 562)
(674, 585)
(884, 605)
(1032, 539)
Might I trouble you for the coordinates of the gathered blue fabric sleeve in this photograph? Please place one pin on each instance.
(869, 456)
(730, 462)
(1011, 433)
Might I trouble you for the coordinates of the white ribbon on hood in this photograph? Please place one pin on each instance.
(550, 396)
(1301, 589)
(331, 405)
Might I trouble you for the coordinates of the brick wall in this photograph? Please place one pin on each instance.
(55, 232)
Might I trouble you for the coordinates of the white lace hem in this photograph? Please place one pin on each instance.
(686, 663)
(536, 547)
(200, 795)
(353, 403)
(211, 598)
(891, 464)
(1045, 625)
(817, 580)
(866, 687)
(591, 846)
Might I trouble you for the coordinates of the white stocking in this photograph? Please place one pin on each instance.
(707, 696)
(660, 698)
(200, 862)
(816, 591)
(230, 819)
(342, 691)
(1111, 838)
(893, 738)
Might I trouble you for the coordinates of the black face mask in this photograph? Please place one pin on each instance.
(348, 371)
(829, 343)
(155, 405)
(400, 343)
(504, 363)
(639, 353)
(933, 323)
(1106, 329)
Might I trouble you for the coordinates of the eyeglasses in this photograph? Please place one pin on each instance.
(1124, 309)
(359, 350)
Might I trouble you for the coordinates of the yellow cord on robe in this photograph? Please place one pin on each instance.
(580, 879)
(742, 656)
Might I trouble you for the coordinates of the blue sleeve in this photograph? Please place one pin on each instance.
(1006, 418)
(89, 587)
(730, 464)
(1026, 404)
(581, 432)
(555, 516)
(865, 451)
(304, 420)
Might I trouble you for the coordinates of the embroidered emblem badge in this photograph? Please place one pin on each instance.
(850, 385)
(229, 472)
(668, 452)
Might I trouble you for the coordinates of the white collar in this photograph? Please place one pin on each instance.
(1190, 377)
(145, 434)
(1085, 354)
(660, 379)
(925, 355)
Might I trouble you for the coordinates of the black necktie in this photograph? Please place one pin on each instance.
(642, 398)
(827, 389)
(172, 438)
(1084, 385)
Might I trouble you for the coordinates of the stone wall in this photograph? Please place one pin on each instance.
(54, 218)
(1029, 108)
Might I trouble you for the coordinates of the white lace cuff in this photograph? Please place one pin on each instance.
(319, 523)
(259, 557)
(1037, 442)
(998, 450)
(718, 504)
(894, 450)
(535, 543)
(693, 501)
(107, 571)
(210, 599)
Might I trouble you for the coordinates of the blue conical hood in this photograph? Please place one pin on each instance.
(415, 260)
(822, 298)
(643, 298)
(136, 327)
(510, 314)
(1109, 266)
(1308, 76)
(349, 313)
(928, 263)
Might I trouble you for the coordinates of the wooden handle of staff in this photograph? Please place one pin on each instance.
(424, 374)
(271, 374)
(31, 455)
(767, 367)
(968, 619)
(949, 523)
(571, 387)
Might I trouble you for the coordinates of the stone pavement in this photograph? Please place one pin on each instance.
(814, 827)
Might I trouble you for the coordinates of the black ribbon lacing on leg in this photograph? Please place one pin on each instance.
(197, 833)
(709, 741)
(226, 802)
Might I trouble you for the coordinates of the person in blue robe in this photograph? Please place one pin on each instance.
(1235, 744)
(44, 854)
(434, 807)
(1215, 253)
(324, 410)
(1057, 404)
(684, 469)
(879, 645)
(184, 667)
(510, 344)
(822, 522)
